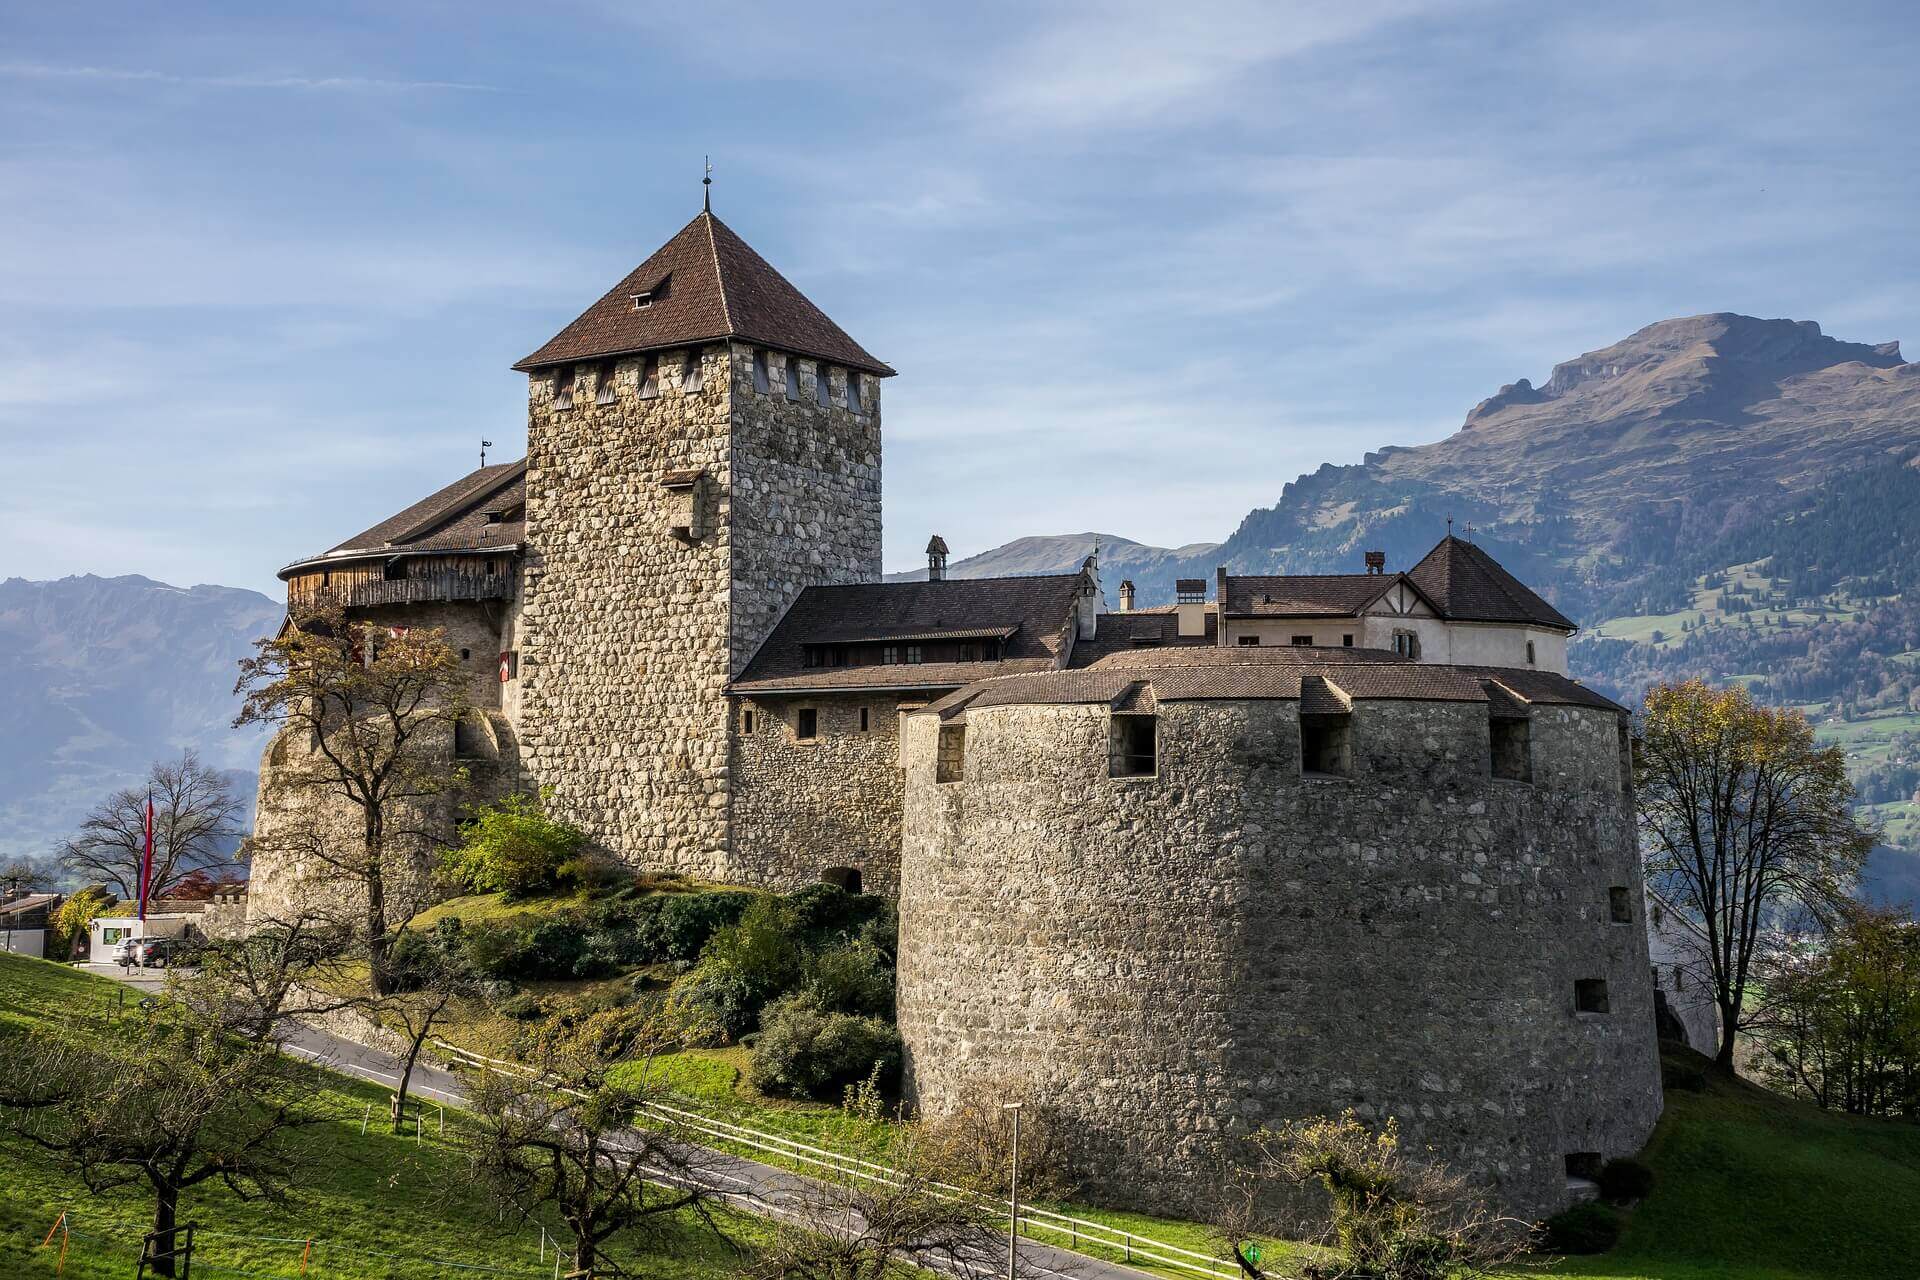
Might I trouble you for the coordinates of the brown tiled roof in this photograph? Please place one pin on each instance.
(1224, 674)
(453, 519)
(716, 287)
(1033, 614)
(1471, 586)
(1305, 595)
(948, 633)
(1144, 629)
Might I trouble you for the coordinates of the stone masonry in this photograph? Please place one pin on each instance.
(1176, 959)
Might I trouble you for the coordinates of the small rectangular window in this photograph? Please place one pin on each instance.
(746, 720)
(1303, 642)
(913, 653)
(854, 400)
(1512, 748)
(889, 654)
(793, 378)
(1134, 746)
(1584, 1164)
(762, 380)
(1619, 905)
(1249, 642)
(1679, 978)
(693, 378)
(1529, 653)
(822, 386)
(806, 724)
(563, 389)
(1326, 745)
(1590, 995)
(605, 391)
(950, 764)
(1626, 756)
(650, 378)
(1346, 641)
(865, 719)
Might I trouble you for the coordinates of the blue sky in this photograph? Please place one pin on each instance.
(263, 268)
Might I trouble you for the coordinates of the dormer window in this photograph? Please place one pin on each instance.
(563, 389)
(762, 379)
(793, 378)
(646, 298)
(650, 378)
(692, 376)
(822, 387)
(605, 393)
(641, 301)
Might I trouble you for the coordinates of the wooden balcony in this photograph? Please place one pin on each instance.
(429, 589)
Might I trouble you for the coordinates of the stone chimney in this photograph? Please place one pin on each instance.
(936, 559)
(1376, 562)
(1087, 603)
(1126, 595)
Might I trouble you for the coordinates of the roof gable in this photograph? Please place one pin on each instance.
(1468, 585)
(704, 284)
(482, 510)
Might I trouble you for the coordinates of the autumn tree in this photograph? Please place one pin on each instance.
(169, 1098)
(377, 707)
(564, 1135)
(195, 828)
(1746, 825)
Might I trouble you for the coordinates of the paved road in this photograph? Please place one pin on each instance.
(748, 1184)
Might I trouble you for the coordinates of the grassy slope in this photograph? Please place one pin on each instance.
(1760, 1187)
(363, 1196)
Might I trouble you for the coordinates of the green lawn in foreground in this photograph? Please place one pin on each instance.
(1759, 1187)
(361, 1196)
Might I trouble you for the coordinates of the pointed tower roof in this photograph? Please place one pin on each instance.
(1468, 584)
(703, 285)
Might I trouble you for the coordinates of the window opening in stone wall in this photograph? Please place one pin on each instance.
(1529, 653)
(650, 378)
(1511, 741)
(1590, 995)
(793, 378)
(605, 393)
(1626, 757)
(847, 878)
(855, 401)
(466, 739)
(822, 386)
(1346, 641)
(866, 720)
(1302, 642)
(1326, 745)
(806, 724)
(1584, 1164)
(1133, 746)
(1619, 905)
(950, 762)
(762, 379)
(1679, 978)
(1407, 644)
(693, 377)
(1249, 642)
(465, 654)
(746, 720)
(563, 389)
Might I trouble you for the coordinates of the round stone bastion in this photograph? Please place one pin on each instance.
(1171, 904)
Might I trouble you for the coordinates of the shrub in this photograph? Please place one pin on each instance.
(824, 906)
(524, 1007)
(761, 949)
(512, 847)
(683, 923)
(711, 1008)
(1585, 1228)
(976, 1144)
(1625, 1180)
(806, 1052)
(1687, 1077)
(492, 950)
(853, 978)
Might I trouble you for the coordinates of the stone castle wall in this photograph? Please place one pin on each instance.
(802, 807)
(629, 633)
(1173, 960)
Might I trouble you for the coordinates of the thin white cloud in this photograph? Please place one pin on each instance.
(324, 84)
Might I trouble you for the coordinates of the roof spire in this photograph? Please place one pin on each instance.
(1449, 524)
(706, 196)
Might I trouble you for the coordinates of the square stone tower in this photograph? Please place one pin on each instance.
(702, 443)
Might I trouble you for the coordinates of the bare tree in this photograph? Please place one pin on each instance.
(428, 978)
(170, 1098)
(1745, 824)
(564, 1136)
(866, 1228)
(194, 816)
(377, 706)
(278, 970)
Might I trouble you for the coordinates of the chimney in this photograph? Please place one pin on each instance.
(936, 559)
(1087, 601)
(1190, 606)
(1126, 596)
(1376, 562)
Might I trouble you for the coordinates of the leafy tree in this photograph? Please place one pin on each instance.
(1842, 1025)
(378, 707)
(170, 1098)
(512, 846)
(77, 914)
(1745, 822)
(194, 816)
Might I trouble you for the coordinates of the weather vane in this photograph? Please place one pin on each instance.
(706, 199)
(484, 446)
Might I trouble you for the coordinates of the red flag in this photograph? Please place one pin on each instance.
(146, 863)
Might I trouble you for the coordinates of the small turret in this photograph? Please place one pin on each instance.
(936, 559)
(1126, 595)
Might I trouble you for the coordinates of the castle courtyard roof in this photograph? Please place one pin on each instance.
(484, 510)
(704, 284)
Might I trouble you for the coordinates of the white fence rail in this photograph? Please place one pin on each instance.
(1073, 1233)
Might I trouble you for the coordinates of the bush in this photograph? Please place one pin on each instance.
(1585, 1228)
(975, 1143)
(713, 1008)
(853, 978)
(761, 949)
(806, 1052)
(1625, 1180)
(524, 1007)
(1687, 1077)
(512, 847)
(683, 923)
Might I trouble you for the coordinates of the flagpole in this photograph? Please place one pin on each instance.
(146, 862)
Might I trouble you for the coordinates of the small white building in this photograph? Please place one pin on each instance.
(24, 922)
(106, 933)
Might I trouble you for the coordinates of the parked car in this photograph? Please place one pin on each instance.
(126, 951)
(157, 953)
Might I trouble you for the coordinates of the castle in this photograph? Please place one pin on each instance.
(1291, 845)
